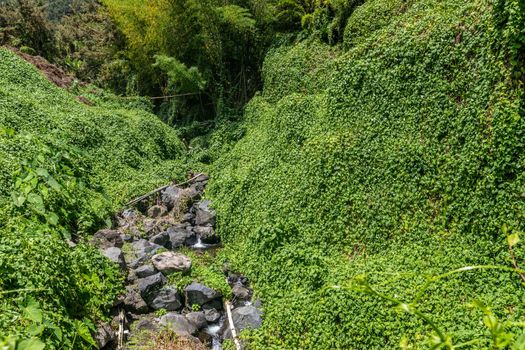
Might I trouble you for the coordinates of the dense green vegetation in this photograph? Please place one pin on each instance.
(65, 167)
(370, 168)
(358, 148)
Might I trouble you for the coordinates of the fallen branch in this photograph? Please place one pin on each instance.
(120, 334)
(138, 199)
(236, 340)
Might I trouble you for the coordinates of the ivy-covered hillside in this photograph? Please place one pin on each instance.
(368, 168)
(365, 183)
(64, 166)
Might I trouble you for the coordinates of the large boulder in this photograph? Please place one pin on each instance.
(200, 294)
(178, 324)
(204, 216)
(244, 317)
(173, 196)
(181, 235)
(169, 262)
(149, 284)
(134, 303)
(167, 298)
(115, 254)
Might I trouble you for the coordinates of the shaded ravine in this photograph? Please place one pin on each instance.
(147, 242)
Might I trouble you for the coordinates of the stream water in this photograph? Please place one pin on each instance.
(213, 331)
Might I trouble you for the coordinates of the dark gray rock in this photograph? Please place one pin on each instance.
(160, 238)
(212, 315)
(214, 304)
(198, 319)
(243, 318)
(145, 271)
(247, 317)
(104, 335)
(115, 254)
(167, 298)
(148, 284)
(203, 214)
(157, 211)
(134, 303)
(169, 262)
(181, 236)
(173, 196)
(206, 234)
(107, 239)
(199, 294)
(178, 324)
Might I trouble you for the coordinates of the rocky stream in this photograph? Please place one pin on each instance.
(145, 242)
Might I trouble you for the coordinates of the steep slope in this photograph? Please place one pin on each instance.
(63, 166)
(397, 159)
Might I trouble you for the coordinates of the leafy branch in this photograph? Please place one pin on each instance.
(500, 338)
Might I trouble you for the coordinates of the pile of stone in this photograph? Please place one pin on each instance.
(144, 244)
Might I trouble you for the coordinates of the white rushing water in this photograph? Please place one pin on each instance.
(199, 244)
(213, 331)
